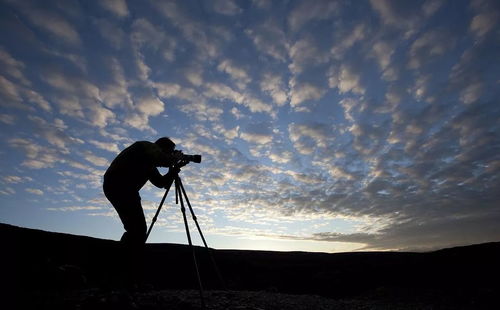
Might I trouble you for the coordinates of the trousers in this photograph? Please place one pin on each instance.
(127, 204)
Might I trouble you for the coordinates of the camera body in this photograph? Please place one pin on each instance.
(188, 158)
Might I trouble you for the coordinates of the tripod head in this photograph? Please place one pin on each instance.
(179, 164)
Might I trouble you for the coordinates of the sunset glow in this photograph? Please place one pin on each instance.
(323, 125)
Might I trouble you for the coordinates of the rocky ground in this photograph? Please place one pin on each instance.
(123, 299)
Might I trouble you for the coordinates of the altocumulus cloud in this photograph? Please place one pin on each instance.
(372, 125)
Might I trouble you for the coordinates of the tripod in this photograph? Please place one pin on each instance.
(180, 195)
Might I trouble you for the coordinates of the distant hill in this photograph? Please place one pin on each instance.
(35, 260)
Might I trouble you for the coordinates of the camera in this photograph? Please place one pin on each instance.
(189, 158)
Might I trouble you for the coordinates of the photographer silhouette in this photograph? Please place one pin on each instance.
(128, 173)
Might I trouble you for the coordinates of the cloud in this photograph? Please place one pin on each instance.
(146, 107)
(89, 111)
(389, 11)
(33, 151)
(53, 23)
(229, 134)
(256, 105)
(150, 106)
(236, 73)
(116, 93)
(486, 18)
(382, 51)
(35, 191)
(430, 7)
(467, 76)
(471, 93)
(346, 78)
(223, 92)
(281, 156)
(145, 34)
(421, 86)
(226, 7)
(111, 32)
(100, 116)
(54, 133)
(117, 7)
(18, 96)
(407, 17)
(95, 160)
(422, 236)
(206, 39)
(7, 119)
(237, 113)
(34, 97)
(91, 177)
(273, 85)
(304, 92)
(14, 179)
(193, 104)
(262, 4)
(107, 146)
(350, 106)
(82, 99)
(481, 24)
(194, 75)
(258, 133)
(9, 91)
(270, 39)
(433, 43)
(70, 105)
(305, 53)
(195, 146)
(202, 111)
(389, 142)
(75, 208)
(72, 84)
(357, 34)
(143, 70)
(308, 137)
(398, 176)
(77, 60)
(13, 67)
(8, 191)
(306, 12)
(169, 90)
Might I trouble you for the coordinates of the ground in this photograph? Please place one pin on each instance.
(151, 299)
(44, 270)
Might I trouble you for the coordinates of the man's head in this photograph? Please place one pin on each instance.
(166, 144)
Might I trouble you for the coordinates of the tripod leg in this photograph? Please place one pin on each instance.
(157, 212)
(195, 219)
(183, 209)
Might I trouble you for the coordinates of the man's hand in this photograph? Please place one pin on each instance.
(168, 178)
(174, 170)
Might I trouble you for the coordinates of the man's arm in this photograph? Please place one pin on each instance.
(164, 181)
(156, 178)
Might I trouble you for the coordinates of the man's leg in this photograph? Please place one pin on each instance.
(133, 220)
(129, 209)
(131, 214)
(134, 239)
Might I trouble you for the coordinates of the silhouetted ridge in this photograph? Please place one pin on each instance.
(35, 259)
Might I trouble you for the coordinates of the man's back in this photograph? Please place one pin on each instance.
(134, 165)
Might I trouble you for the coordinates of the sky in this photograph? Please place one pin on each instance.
(324, 126)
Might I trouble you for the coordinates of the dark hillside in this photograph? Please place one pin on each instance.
(37, 261)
